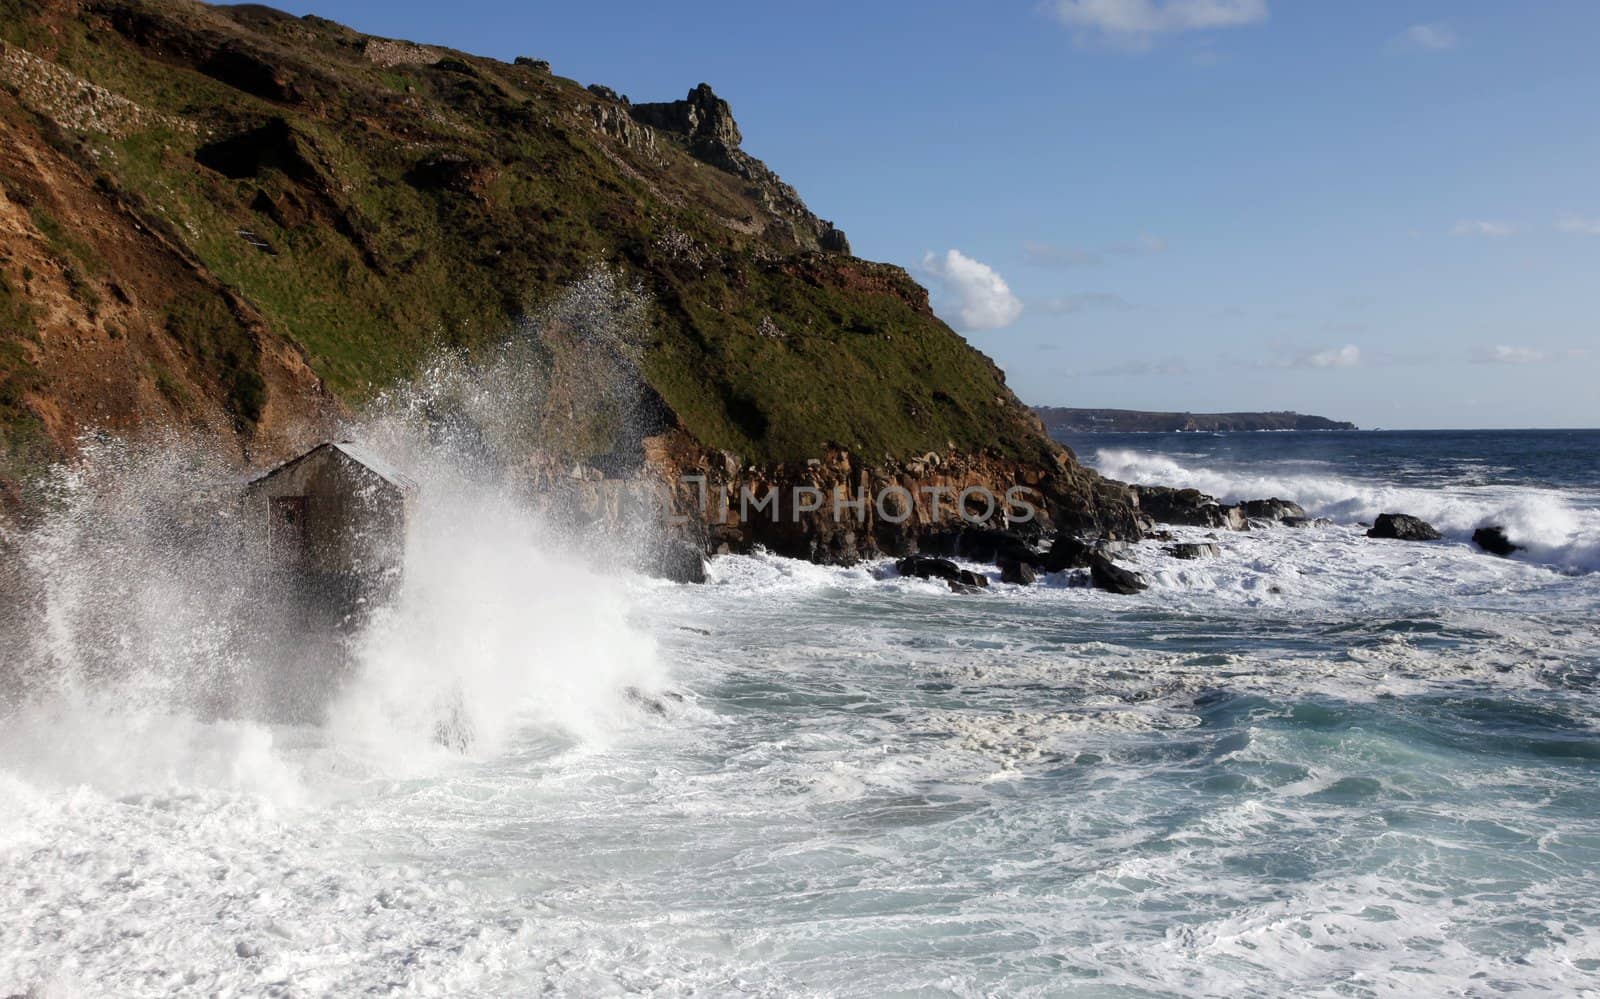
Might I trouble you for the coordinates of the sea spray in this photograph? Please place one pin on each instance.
(143, 630)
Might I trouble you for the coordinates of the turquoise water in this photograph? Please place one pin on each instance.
(1318, 764)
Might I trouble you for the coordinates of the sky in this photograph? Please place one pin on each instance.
(1384, 211)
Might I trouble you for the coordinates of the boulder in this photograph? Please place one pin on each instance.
(983, 544)
(1068, 552)
(676, 561)
(927, 567)
(1494, 541)
(1193, 550)
(1273, 510)
(1188, 507)
(1107, 575)
(1018, 573)
(1402, 527)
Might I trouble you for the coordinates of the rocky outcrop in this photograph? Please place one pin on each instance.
(1274, 511)
(1189, 508)
(1402, 527)
(839, 508)
(704, 123)
(1107, 575)
(702, 117)
(927, 567)
(1193, 550)
(1494, 541)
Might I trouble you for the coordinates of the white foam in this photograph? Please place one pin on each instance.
(1560, 529)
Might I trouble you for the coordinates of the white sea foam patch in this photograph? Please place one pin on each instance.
(1553, 530)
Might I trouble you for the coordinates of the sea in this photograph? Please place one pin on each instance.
(1315, 764)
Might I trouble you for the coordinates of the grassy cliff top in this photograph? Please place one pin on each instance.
(239, 214)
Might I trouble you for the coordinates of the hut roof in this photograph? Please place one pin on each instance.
(355, 452)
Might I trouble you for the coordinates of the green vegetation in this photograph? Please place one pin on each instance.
(373, 213)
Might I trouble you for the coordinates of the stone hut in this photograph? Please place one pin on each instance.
(334, 515)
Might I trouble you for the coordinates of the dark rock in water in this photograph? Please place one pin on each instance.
(983, 544)
(1403, 527)
(676, 561)
(1112, 549)
(1107, 575)
(1274, 510)
(654, 705)
(1192, 550)
(1305, 522)
(1189, 507)
(927, 567)
(1494, 541)
(1019, 573)
(1068, 552)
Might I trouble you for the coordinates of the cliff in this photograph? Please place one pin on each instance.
(1058, 420)
(247, 223)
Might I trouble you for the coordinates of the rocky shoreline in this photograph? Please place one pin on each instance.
(931, 542)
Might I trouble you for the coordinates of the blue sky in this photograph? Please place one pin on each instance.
(1387, 212)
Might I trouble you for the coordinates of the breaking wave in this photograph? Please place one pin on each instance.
(1559, 528)
(143, 648)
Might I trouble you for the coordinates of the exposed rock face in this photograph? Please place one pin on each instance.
(1494, 541)
(1402, 527)
(840, 508)
(1107, 575)
(701, 117)
(834, 240)
(1189, 508)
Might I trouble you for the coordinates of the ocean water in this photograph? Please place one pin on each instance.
(1317, 764)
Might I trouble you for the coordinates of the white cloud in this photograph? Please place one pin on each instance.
(1137, 21)
(1506, 354)
(1348, 356)
(1085, 302)
(1578, 225)
(1436, 37)
(982, 299)
(1482, 227)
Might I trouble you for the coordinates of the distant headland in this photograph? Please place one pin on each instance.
(1059, 420)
